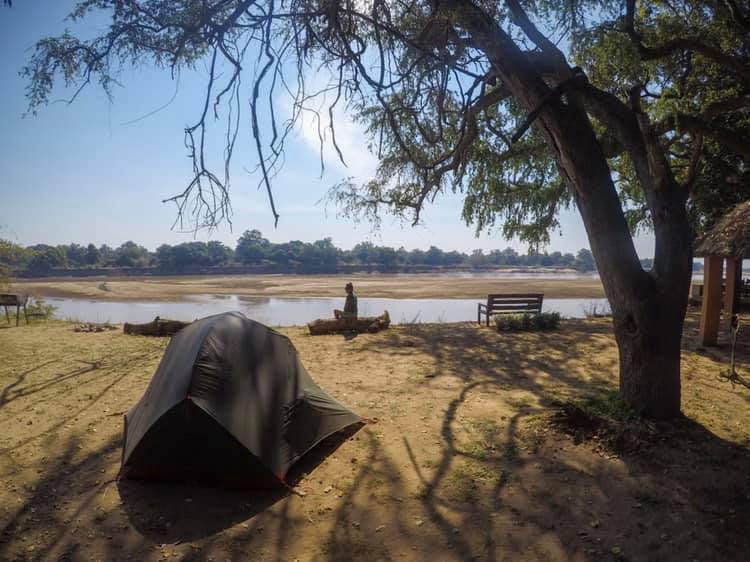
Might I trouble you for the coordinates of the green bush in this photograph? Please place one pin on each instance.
(36, 307)
(40, 308)
(526, 321)
(548, 320)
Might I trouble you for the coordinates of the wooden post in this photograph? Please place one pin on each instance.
(731, 290)
(711, 306)
(738, 285)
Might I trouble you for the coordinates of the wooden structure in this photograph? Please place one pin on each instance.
(158, 327)
(511, 303)
(728, 241)
(696, 293)
(19, 301)
(344, 325)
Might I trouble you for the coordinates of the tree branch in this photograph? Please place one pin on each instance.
(693, 44)
(732, 104)
(737, 143)
(695, 156)
(737, 14)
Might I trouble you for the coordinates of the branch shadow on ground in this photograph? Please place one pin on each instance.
(66, 480)
(513, 497)
(166, 512)
(684, 496)
(10, 393)
(93, 366)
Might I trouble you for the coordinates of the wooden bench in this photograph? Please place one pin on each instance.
(19, 301)
(511, 303)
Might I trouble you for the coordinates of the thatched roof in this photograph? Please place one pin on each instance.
(730, 237)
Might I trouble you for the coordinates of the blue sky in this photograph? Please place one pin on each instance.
(87, 173)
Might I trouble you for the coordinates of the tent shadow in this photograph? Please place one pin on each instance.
(168, 513)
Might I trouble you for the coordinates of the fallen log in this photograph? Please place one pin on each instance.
(158, 327)
(343, 325)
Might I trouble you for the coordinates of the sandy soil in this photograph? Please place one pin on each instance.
(376, 285)
(460, 465)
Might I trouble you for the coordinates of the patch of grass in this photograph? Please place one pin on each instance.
(482, 472)
(511, 452)
(462, 484)
(396, 408)
(485, 435)
(477, 450)
(607, 423)
(520, 402)
(647, 497)
(608, 405)
(504, 476)
(534, 432)
(488, 429)
(375, 483)
(423, 491)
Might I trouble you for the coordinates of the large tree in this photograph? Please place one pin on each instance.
(478, 97)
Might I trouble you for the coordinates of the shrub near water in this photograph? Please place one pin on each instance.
(526, 321)
(36, 308)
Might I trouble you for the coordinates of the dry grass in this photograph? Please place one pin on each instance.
(459, 466)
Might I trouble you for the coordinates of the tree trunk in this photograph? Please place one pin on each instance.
(360, 325)
(648, 307)
(159, 327)
(648, 329)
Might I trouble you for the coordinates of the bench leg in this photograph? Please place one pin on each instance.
(7, 316)
(18, 315)
(25, 315)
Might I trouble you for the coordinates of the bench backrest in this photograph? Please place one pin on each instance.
(514, 303)
(13, 300)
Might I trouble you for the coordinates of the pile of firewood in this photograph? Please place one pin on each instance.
(90, 327)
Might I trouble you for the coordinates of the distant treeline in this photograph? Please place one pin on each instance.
(253, 249)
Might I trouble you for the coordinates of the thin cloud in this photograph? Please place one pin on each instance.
(314, 128)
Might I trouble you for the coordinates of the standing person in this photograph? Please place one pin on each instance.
(350, 306)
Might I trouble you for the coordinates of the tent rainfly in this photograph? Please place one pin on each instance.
(728, 240)
(230, 403)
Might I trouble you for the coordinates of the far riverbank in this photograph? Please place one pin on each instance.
(396, 286)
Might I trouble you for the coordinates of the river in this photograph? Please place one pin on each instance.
(294, 311)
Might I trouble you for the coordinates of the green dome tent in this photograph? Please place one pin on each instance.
(229, 403)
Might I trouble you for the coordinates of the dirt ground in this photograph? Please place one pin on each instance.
(460, 464)
(374, 285)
